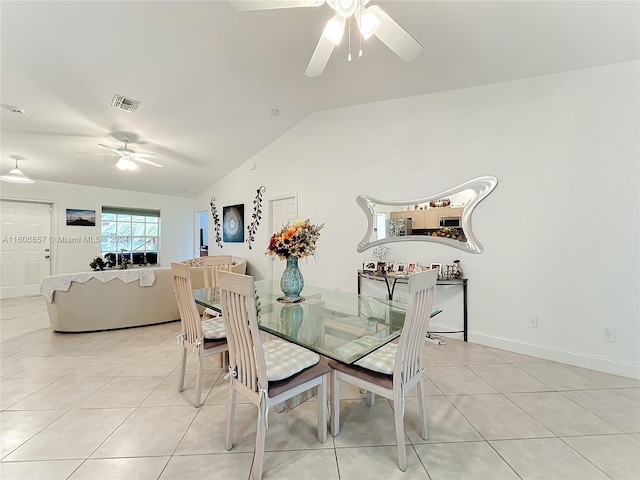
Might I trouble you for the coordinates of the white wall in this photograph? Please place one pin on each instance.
(560, 232)
(177, 219)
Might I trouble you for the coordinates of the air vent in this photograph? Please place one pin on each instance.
(124, 103)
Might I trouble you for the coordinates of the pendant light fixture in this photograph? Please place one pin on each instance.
(16, 175)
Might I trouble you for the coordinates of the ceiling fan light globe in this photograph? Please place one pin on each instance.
(368, 23)
(334, 30)
(125, 164)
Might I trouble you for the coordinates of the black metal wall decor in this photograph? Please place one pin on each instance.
(216, 221)
(257, 215)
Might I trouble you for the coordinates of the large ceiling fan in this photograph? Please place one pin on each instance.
(127, 156)
(371, 21)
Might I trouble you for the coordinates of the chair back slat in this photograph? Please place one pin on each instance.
(409, 356)
(212, 265)
(189, 317)
(237, 297)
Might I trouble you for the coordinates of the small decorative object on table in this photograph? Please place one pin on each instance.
(369, 265)
(457, 271)
(124, 261)
(98, 263)
(111, 259)
(291, 243)
(381, 252)
(438, 267)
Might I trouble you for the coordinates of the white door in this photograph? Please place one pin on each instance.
(26, 251)
(282, 210)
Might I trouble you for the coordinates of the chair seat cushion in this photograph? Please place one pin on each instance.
(382, 360)
(213, 329)
(284, 359)
(210, 313)
(381, 379)
(356, 346)
(214, 343)
(306, 375)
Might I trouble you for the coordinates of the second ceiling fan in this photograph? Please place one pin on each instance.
(127, 156)
(371, 21)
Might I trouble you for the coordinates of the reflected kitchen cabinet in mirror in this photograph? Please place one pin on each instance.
(442, 218)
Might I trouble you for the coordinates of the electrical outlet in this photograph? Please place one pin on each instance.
(609, 334)
(533, 322)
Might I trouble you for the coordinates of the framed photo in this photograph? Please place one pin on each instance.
(81, 218)
(437, 266)
(401, 268)
(411, 267)
(370, 265)
(381, 267)
(390, 267)
(233, 223)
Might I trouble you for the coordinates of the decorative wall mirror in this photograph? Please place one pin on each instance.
(443, 218)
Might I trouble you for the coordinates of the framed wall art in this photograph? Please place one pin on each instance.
(233, 223)
(81, 218)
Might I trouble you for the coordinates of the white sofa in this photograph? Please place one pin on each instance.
(94, 305)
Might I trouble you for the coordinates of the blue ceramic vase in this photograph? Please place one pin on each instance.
(291, 282)
(291, 317)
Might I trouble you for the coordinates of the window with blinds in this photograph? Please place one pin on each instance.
(132, 234)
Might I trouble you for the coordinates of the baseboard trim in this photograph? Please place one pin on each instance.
(578, 359)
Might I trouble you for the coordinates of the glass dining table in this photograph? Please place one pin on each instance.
(338, 325)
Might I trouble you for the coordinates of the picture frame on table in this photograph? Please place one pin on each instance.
(370, 265)
(390, 267)
(437, 266)
(401, 268)
(411, 267)
(381, 267)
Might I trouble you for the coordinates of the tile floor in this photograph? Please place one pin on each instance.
(105, 406)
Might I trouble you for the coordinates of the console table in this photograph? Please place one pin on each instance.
(392, 280)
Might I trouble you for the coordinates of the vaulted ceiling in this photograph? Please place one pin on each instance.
(209, 77)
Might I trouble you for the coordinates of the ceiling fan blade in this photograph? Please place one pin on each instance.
(320, 57)
(110, 148)
(148, 162)
(248, 5)
(103, 154)
(395, 37)
(144, 155)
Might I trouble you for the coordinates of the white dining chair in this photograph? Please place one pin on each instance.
(211, 265)
(266, 373)
(192, 337)
(394, 369)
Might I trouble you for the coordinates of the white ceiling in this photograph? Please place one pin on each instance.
(208, 76)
